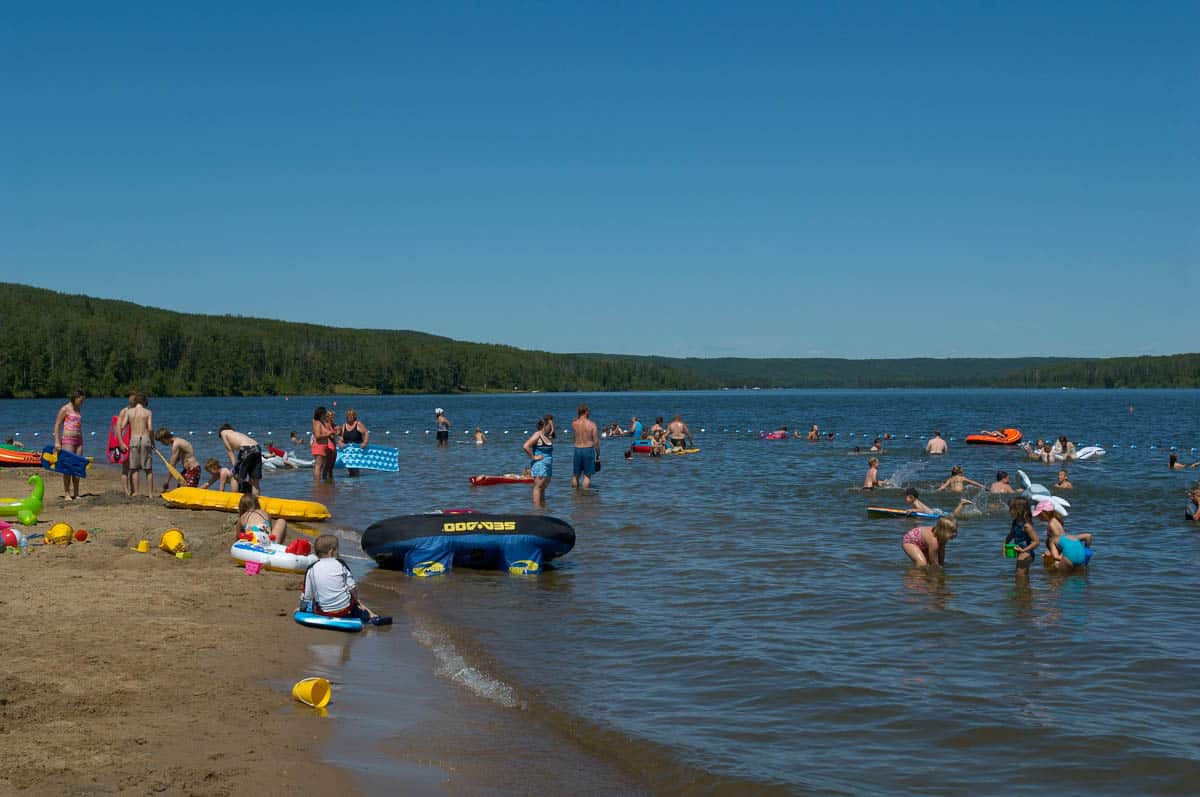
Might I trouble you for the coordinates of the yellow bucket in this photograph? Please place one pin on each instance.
(313, 692)
(172, 541)
(59, 534)
(143, 546)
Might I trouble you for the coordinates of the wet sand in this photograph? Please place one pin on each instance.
(141, 673)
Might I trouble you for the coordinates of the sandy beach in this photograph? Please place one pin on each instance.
(137, 673)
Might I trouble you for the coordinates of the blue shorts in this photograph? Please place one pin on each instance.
(543, 468)
(585, 462)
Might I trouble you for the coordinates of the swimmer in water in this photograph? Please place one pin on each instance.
(480, 437)
(1174, 464)
(876, 445)
(1034, 452)
(1064, 481)
(814, 434)
(1193, 509)
(1063, 551)
(913, 499)
(957, 482)
(871, 481)
(926, 545)
(1001, 485)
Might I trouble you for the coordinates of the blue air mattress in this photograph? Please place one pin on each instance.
(369, 458)
(428, 545)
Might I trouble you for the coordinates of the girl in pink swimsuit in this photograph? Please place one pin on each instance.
(68, 436)
(926, 545)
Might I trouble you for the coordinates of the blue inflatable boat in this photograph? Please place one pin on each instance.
(429, 545)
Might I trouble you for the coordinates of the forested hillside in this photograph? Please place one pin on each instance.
(53, 343)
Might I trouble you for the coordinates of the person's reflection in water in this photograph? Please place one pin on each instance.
(929, 584)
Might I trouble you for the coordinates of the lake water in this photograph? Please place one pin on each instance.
(732, 622)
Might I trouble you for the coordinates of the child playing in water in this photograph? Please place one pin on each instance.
(871, 481)
(913, 499)
(330, 589)
(957, 481)
(926, 545)
(1064, 481)
(1063, 551)
(1022, 535)
(218, 474)
(253, 518)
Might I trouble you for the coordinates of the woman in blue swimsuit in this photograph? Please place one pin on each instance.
(540, 448)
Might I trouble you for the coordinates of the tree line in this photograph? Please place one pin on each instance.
(53, 343)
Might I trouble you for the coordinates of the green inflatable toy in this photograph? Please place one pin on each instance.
(25, 510)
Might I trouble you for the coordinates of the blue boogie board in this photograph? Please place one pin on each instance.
(65, 462)
(369, 458)
(350, 624)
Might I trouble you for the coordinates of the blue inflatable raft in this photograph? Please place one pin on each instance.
(429, 545)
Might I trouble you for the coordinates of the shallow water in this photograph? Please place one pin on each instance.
(732, 621)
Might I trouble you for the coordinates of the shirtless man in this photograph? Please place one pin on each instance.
(1001, 485)
(678, 433)
(245, 456)
(140, 423)
(587, 448)
(936, 444)
(814, 434)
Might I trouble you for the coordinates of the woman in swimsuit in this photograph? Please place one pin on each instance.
(322, 433)
(926, 545)
(1174, 464)
(68, 436)
(354, 432)
(540, 448)
(957, 482)
(254, 519)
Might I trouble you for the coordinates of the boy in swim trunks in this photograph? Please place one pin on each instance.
(182, 453)
(245, 456)
(140, 422)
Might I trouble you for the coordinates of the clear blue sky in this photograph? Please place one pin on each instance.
(708, 179)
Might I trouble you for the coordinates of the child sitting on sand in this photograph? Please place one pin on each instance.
(218, 474)
(1063, 551)
(926, 545)
(253, 518)
(330, 589)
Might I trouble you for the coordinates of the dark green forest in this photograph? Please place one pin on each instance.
(53, 343)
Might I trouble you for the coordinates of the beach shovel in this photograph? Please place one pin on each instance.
(171, 469)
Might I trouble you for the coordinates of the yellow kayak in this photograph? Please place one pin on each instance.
(288, 508)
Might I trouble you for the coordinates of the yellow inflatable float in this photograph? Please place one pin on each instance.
(288, 508)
